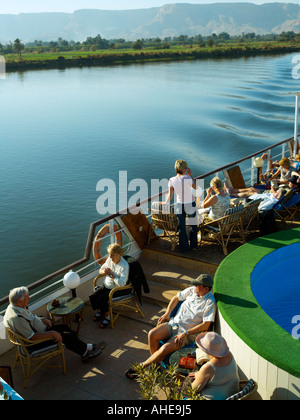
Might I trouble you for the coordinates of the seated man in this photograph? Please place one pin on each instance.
(22, 321)
(194, 316)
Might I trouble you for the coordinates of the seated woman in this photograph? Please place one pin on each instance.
(218, 203)
(217, 379)
(295, 162)
(285, 172)
(116, 271)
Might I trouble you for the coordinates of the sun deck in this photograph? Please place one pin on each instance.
(103, 378)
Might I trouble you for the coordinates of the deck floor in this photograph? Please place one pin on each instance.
(210, 251)
(102, 378)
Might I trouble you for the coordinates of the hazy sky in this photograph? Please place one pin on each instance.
(27, 6)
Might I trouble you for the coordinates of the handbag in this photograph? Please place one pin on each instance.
(187, 363)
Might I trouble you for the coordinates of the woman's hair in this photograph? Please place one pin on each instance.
(285, 163)
(115, 249)
(180, 166)
(217, 183)
(17, 294)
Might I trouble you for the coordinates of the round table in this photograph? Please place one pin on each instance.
(174, 359)
(68, 308)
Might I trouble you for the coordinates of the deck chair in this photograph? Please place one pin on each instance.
(28, 357)
(250, 214)
(118, 303)
(166, 362)
(224, 229)
(287, 207)
(163, 218)
(234, 177)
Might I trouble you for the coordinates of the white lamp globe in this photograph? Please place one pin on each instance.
(259, 162)
(71, 280)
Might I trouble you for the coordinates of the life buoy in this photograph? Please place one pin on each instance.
(98, 242)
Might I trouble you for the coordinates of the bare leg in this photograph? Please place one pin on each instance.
(241, 193)
(160, 332)
(162, 352)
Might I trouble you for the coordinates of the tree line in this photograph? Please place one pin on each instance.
(99, 43)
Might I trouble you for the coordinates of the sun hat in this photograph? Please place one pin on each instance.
(203, 280)
(212, 344)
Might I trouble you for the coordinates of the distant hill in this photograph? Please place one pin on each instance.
(169, 20)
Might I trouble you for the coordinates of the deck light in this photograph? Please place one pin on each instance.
(258, 163)
(72, 281)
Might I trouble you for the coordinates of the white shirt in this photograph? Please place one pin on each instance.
(23, 321)
(194, 310)
(120, 270)
(183, 187)
(268, 201)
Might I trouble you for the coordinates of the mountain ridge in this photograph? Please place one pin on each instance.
(166, 21)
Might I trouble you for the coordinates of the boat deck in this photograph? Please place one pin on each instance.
(103, 378)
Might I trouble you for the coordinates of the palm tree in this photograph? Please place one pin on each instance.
(19, 47)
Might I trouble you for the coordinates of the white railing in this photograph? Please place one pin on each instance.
(86, 266)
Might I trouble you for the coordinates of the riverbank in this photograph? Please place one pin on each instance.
(105, 58)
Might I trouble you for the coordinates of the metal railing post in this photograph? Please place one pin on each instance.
(296, 123)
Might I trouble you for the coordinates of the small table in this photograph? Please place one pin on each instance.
(10, 392)
(174, 359)
(67, 309)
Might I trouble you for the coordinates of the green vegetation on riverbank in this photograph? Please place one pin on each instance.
(96, 51)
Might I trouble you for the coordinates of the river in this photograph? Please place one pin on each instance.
(64, 130)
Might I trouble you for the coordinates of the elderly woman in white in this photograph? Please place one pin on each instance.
(116, 271)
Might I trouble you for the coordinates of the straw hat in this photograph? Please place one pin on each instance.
(212, 344)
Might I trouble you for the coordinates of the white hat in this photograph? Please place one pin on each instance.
(212, 344)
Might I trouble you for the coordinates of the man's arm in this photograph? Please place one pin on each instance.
(191, 331)
(199, 328)
(50, 335)
(172, 305)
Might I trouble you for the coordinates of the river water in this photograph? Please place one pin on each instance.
(64, 130)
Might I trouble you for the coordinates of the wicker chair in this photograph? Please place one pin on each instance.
(224, 228)
(120, 302)
(27, 357)
(247, 390)
(250, 214)
(164, 218)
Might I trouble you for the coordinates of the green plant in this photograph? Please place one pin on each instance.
(154, 381)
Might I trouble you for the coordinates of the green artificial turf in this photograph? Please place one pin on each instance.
(241, 311)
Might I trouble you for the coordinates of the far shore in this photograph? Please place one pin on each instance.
(108, 58)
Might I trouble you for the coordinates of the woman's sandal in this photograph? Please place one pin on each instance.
(131, 374)
(97, 317)
(105, 323)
